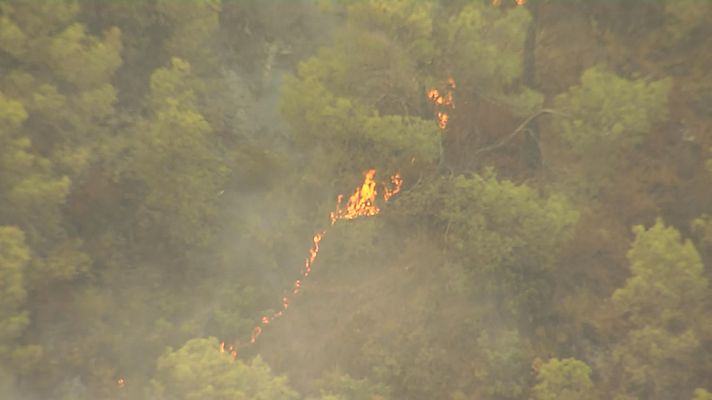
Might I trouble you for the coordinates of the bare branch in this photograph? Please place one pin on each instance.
(522, 127)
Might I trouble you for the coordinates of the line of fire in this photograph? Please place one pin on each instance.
(362, 203)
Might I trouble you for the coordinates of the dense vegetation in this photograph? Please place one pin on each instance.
(164, 165)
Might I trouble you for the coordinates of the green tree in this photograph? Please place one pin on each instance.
(192, 28)
(395, 44)
(667, 277)
(32, 194)
(335, 102)
(702, 229)
(199, 371)
(193, 34)
(56, 110)
(603, 118)
(177, 162)
(609, 111)
(701, 394)
(31, 191)
(16, 359)
(62, 76)
(567, 379)
(57, 100)
(482, 47)
(504, 374)
(344, 135)
(661, 307)
(14, 256)
(334, 386)
(505, 235)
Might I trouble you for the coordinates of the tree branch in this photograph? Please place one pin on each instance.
(519, 129)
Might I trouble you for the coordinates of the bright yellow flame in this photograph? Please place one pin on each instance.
(361, 203)
(442, 119)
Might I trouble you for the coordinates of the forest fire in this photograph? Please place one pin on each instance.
(442, 119)
(397, 182)
(360, 204)
(442, 102)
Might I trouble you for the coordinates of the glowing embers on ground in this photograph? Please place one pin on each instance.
(361, 204)
(443, 102)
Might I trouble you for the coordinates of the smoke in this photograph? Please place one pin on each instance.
(8, 386)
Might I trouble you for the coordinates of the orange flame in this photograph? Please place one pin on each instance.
(256, 332)
(233, 352)
(498, 3)
(443, 101)
(121, 383)
(442, 119)
(435, 97)
(397, 182)
(361, 204)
